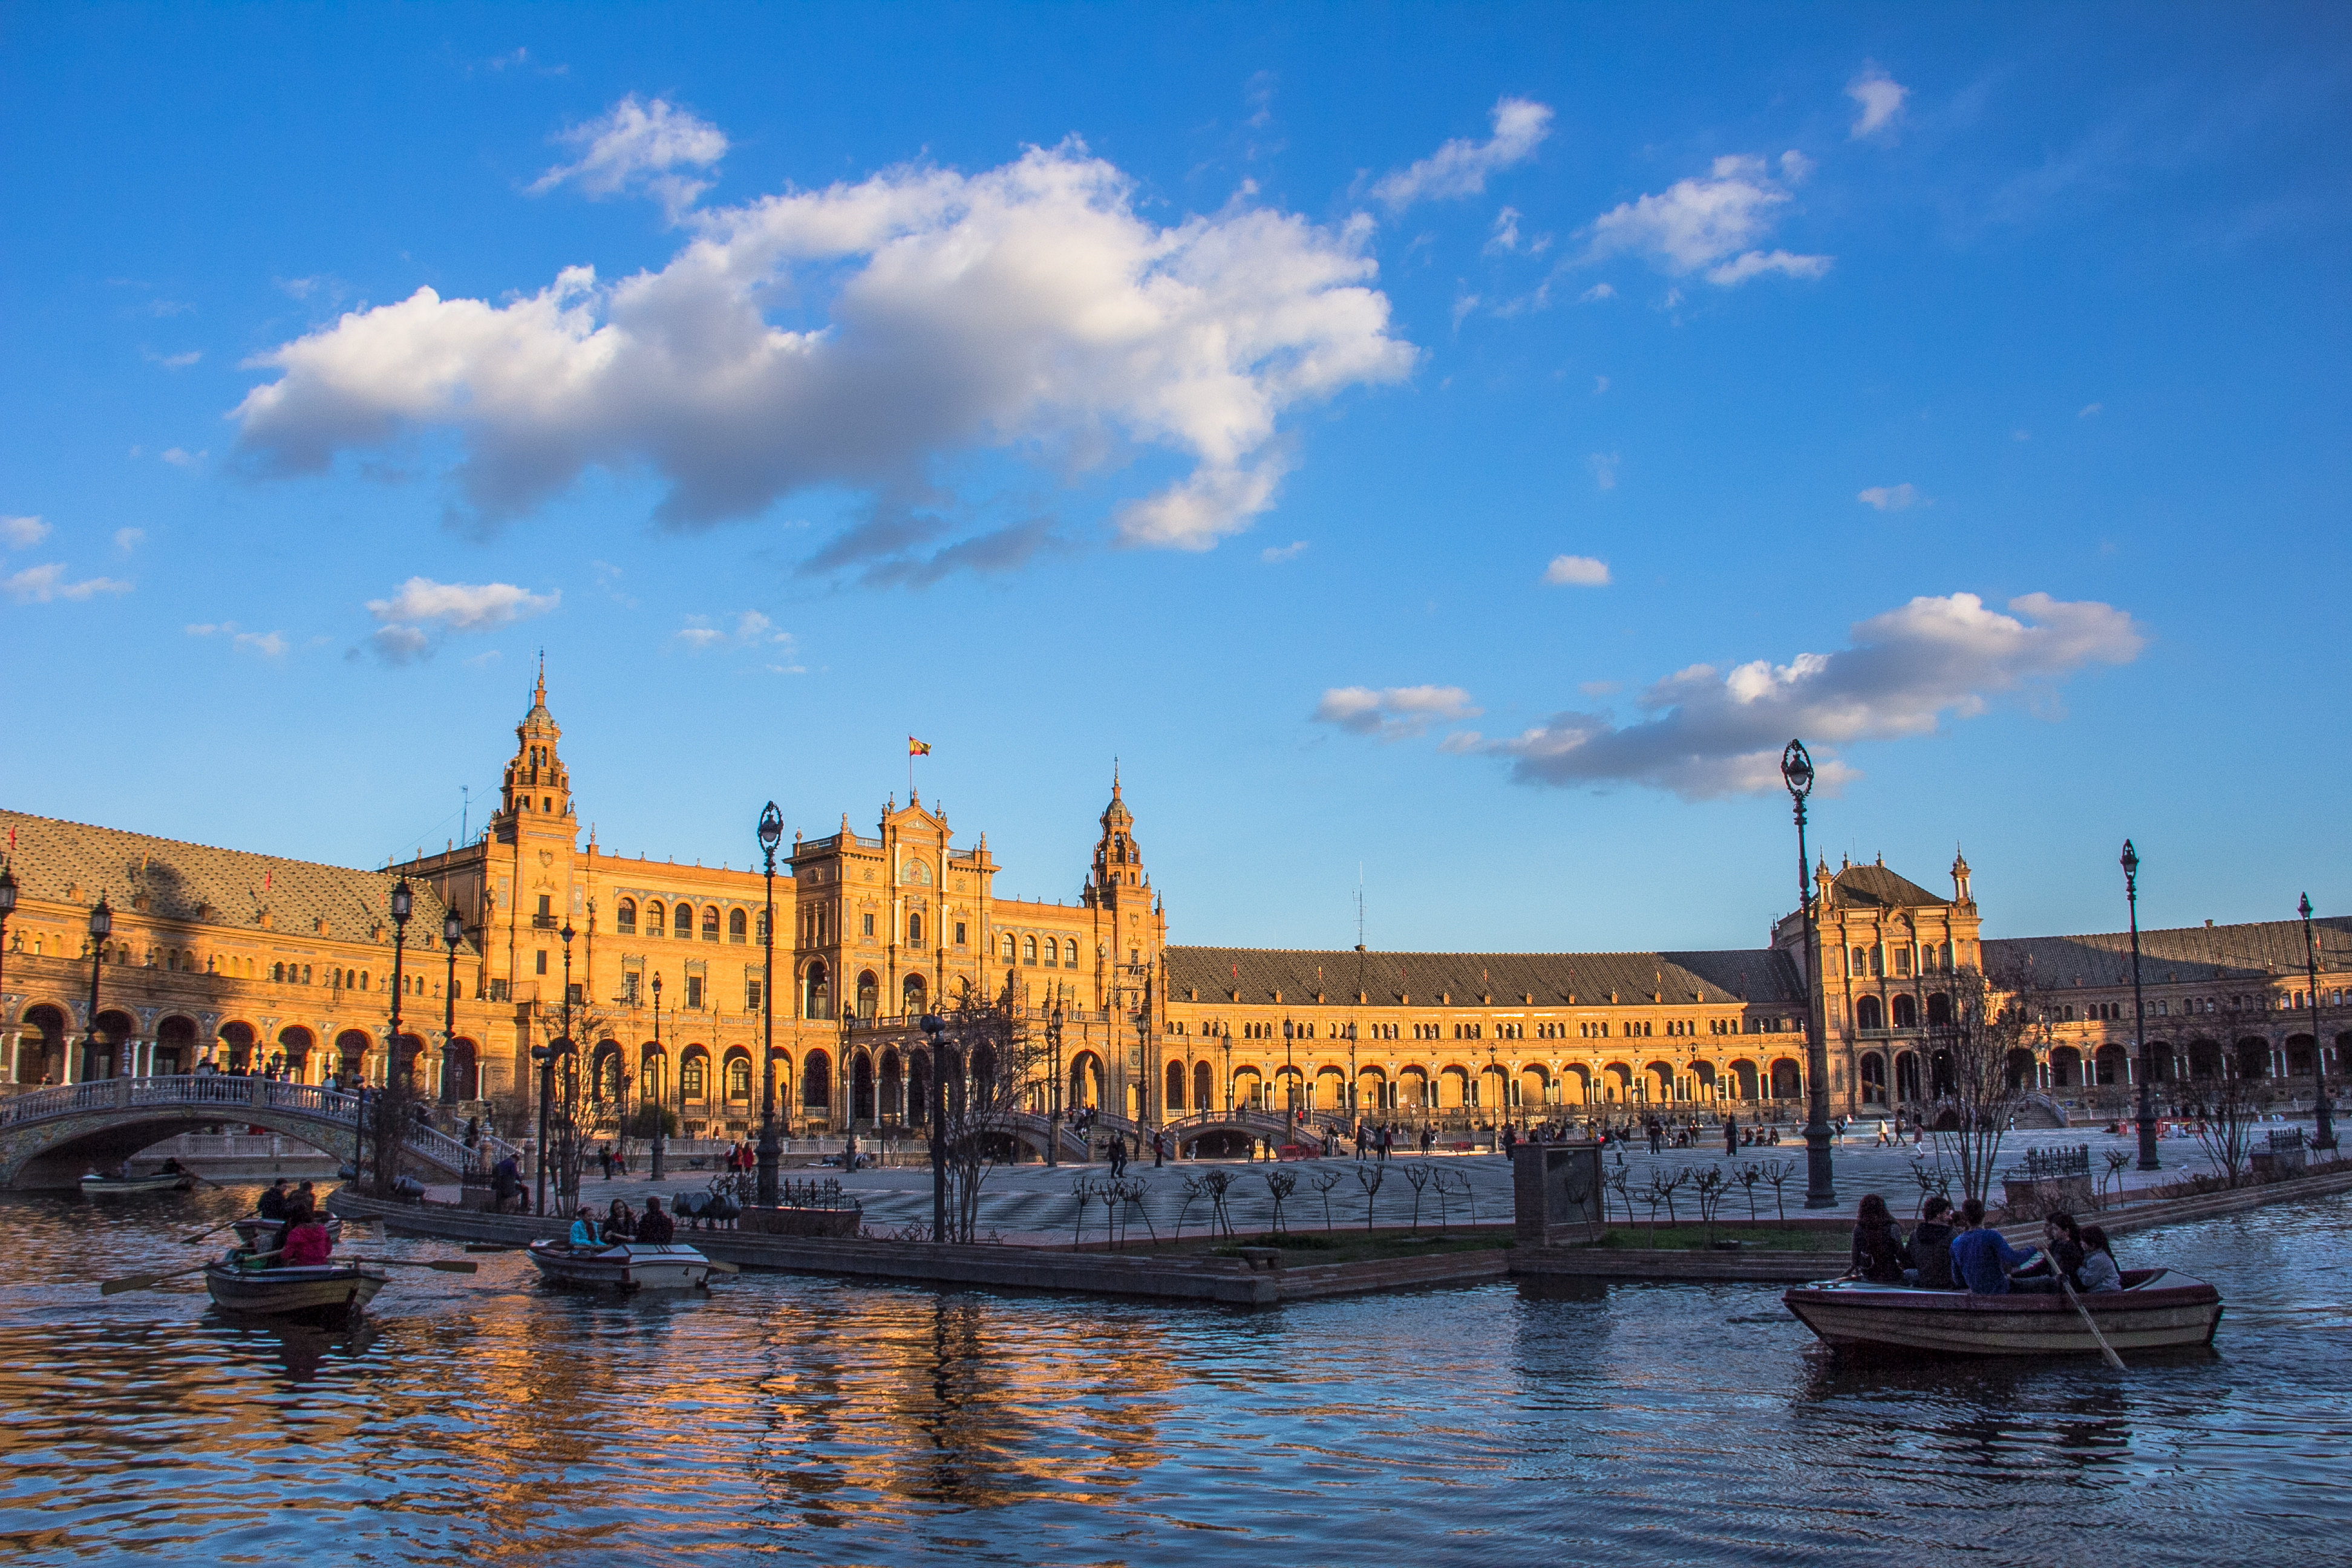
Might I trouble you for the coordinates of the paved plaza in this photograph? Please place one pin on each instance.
(1038, 1204)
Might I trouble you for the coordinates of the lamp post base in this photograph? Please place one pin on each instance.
(660, 1161)
(771, 1156)
(1821, 1186)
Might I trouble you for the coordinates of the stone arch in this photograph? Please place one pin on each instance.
(1939, 1011)
(1204, 1087)
(1656, 1083)
(891, 1087)
(2253, 1056)
(1906, 1077)
(1173, 1097)
(1372, 1091)
(735, 1075)
(1328, 1089)
(2204, 1060)
(1616, 1083)
(1906, 1012)
(861, 1088)
(350, 1055)
(1413, 1089)
(1249, 1089)
(1788, 1082)
(2298, 1055)
(1453, 1086)
(816, 991)
(461, 1071)
(237, 1039)
(1868, 1015)
(2016, 1068)
(1744, 1073)
(106, 1047)
(1087, 1087)
(869, 993)
(693, 1079)
(1575, 1084)
(1873, 1078)
(1535, 1085)
(41, 1059)
(2065, 1068)
(606, 1063)
(912, 996)
(2112, 1065)
(295, 1045)
(175, 1044)
(816, 1084)
(738, 926)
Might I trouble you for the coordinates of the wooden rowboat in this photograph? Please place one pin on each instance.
(2156, 1309)
(323, 1292)
(624, 1266)
(95, 1185)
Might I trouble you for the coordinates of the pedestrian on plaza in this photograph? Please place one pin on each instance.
(1731, 1135)
(605, 1158)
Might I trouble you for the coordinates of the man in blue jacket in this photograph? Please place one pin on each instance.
(1982, 1257)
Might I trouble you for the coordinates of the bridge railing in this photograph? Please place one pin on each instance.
(229, 1093)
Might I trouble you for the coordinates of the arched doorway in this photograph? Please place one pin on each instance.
(1787, 1082)
(892, 1092)
(1204, 1088)
(869, 993)
(237, 1046)
(2065, 1068)
(2111, 1064)
(1906, 1077)
(295, 1044)
(861, 1088)
(175, 1046)
(817, 992)
(816, 1084)
(1743, 1079)
(1658, 1083)
(1873, 1078)
(2017, 1070)
(2254, 1057)
(1175, 1092)
(1086, 1083)
(461, 1072)
(105, 1050)
(351, 1052)
(1939, 1011)
(1867, 1014)
(1906, 1013)
(41, 1056)
(1617, 1083)
(911, 995)
(408, 1060)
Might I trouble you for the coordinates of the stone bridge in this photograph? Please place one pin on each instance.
(52, 1137)
(1269, 1127)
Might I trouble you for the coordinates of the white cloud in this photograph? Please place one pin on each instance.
(401, 645)
(1506, 232)
(1027, 307)
(2021, 435)
(1596, 292)
(1460, 167)
(181, 458)
(22, 532)
(1395, 712)
(1712, 733)
(638, 146)
(175, 362)
(750, 629)
(462, 606)
(1604, 469)
(40, 584)
(1892, 497)
(1463, 305)
(1576, 571)
(1880, 98)
(1599, 384)
(1713, 223)
(126, 540)
(1275, 556)
(269, 645)
(2088, 409)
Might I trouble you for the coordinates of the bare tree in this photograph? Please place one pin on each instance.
(2226, 1116)
(1370, 1177)
(1323, 1180)
(1991, 1018)
(989, 1057)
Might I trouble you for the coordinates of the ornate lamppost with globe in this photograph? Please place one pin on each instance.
(772, 833)
(2148, 1158)
(1820, 1189)
(2322, 1123)
(453, 931)
(101, 926)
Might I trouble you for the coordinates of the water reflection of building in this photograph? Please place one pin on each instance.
(258, 962)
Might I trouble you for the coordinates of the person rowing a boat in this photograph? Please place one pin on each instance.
(1982, 1257)
(2062, 1253)
(272, 1202)
(307, 1243)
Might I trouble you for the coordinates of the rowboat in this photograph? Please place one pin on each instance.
(261, 1235)
(322, 1292)
(624, 1266)
(95, 1185)
(2157, 1309)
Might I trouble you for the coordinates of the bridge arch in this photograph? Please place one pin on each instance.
(41, 1059)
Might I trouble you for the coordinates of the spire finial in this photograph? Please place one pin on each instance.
(539, 696)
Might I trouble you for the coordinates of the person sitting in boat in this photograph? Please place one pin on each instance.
(271, 1204)
(621, 1225)
(584, 1229)
(2099, 1271)
(653, 1227)
(1880, 1255)
(1931, 1248)
(1981, 1256)
(306, 1243)
(2063, 1254)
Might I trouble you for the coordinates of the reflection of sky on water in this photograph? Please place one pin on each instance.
(482, 1418)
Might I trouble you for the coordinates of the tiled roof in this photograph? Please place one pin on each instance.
(1760, 974)
(199, 883)
(2187, 955)
(1875, 886)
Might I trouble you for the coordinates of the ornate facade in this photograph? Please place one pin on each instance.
(255, 961)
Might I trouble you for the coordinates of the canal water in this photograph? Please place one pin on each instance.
(482, 1418)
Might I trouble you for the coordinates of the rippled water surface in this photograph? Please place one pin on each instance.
(481, 1419)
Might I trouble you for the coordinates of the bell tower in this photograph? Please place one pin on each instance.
(536, 791)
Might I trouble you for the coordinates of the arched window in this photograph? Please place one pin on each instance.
(819, 993)
(1011, 952)
(709, 924)
(869, 993)
(1867, 1016)
(738, 1077)
(911, 997)
(739, 925)
(913, 930)
(1857, 962)
(1906, 1013)
(816, 1082)
(1029, 951)
(625, 917)
(1939, 1011)
(654, 918)
(690, 1077)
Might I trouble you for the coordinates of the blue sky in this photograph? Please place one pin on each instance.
(1452, 446)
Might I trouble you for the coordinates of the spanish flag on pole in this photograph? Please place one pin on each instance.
(917, 748)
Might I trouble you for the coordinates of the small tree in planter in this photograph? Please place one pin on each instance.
(1281, 1184)
(1323, 1180)
(1368, 1176)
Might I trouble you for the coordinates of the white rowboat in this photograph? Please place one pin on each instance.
(2156, 1309)
(95, 1185)
(323, 1292)
(624, 1266)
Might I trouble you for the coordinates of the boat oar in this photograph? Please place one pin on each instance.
(446, 1265)
(149, 1281)
(2067, 1285)
(198, 1236)
(719, 1268)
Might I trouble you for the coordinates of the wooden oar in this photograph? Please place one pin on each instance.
(2067, 1285)
(446, 1265)
(719, 1268)
(199, 1236)
(148, 1281)
(492, 1247)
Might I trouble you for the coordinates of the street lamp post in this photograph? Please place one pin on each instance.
(570, 1121)
(453, 931)
(101, 925)
(1054, 1091)
(2323, 1125)
(7, 907)
(403, 902)
(936, 1028)
(661, 1112)
(1820, 1189)
(545, 1056)
(772, 833)
(2148, 1160)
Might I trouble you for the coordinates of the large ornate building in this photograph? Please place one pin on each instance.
(250, 961)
